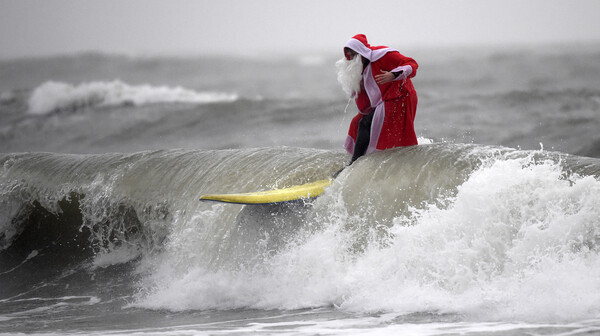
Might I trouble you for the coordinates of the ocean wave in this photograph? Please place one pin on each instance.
(53, 96)
(480, 231)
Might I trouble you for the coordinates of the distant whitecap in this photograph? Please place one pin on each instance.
(52, 96)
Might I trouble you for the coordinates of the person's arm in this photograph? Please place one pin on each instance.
(402, 67)
(398, 62)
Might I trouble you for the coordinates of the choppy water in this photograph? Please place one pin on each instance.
(490, 226)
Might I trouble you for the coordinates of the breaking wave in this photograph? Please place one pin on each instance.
(56, 96)
(487, 232)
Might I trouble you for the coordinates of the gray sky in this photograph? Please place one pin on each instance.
(254, 27)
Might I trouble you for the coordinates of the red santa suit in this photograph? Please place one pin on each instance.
(395, 103)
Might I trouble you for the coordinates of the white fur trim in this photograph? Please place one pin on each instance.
(406, 71)
(360, 48)
(363, 50)
(371, 87)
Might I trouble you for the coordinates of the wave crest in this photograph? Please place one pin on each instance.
(53, 96)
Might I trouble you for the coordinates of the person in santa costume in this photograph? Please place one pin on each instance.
(378, 78)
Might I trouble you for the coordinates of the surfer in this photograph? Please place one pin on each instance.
(378, 78)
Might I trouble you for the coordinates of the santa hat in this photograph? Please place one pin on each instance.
(360, 44)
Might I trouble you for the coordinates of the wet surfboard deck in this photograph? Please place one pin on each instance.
(299, 192)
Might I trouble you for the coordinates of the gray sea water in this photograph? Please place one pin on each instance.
(491, 226)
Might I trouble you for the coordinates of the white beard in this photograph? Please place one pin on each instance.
(349, 74)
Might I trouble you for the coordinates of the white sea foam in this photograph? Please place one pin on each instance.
(52, 96)
(519, 241)
(118, 255)
(424, 141)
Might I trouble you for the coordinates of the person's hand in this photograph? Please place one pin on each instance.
(384, 77)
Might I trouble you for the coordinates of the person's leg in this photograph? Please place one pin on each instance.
(363, 136)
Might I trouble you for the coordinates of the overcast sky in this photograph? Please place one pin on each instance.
(254, 27)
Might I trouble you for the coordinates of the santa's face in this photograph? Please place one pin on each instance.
(349, 53)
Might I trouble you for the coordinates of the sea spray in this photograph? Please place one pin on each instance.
(518, 241)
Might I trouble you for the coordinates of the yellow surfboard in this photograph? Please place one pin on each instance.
(304, 191)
